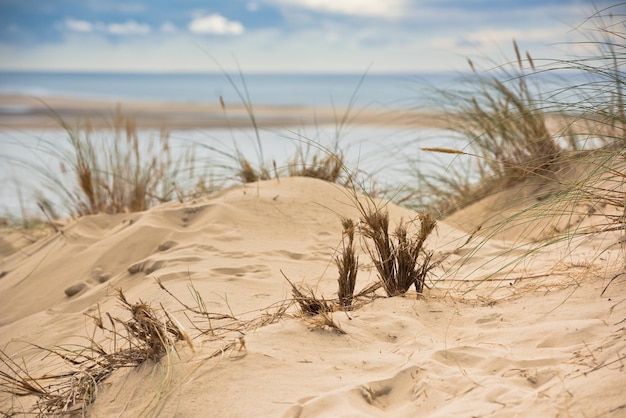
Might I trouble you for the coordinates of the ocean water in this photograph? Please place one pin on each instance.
(389, 154)
(31, 162)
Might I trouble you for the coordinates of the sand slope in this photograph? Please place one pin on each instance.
(537, 337)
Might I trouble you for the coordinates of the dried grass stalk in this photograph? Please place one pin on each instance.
(397, 257)
(149, 336)
(307, 301)
(153, 334)
(347, 263)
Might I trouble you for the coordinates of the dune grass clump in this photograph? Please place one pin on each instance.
(113, 172)
(316, 312)
(327, 167)
(568, 162)
(308, 302)
(148, 334)
(399, 257)
(151, 333)
(507, 126)
(525, 119)
(323, 163)
(247, 173)
(347, 264)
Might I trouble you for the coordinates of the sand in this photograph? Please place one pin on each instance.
(500, 331)
(25, 112)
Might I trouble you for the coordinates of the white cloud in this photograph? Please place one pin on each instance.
(79, 25)
(125, 7)
(318, 44)
(129, 27)
(370, 8)
(215, 24)
(168, 27)
(252, 7)
(507, 35)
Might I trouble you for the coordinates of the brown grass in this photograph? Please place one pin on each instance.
(316, 312)
(509, 132)
(307, 301)
(326, 165)
(148, 334)
(397, 256)
(113, 172)
(347, 264)
(247, 173)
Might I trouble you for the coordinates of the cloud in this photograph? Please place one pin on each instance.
(79, 25)
(109, 6)
(215, 24)
(488, 39)
(168, 27)
(129, 27)
(368, 8)
(507, 35)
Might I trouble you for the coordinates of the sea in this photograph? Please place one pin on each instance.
(389, 155)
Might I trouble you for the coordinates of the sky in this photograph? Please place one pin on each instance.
(282, 35)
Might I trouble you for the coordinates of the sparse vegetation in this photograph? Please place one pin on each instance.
(148, 334)
(511, 140)
(113, 174)
(347, 264)
(397, 255)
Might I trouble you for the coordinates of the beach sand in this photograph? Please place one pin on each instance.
(24, 112)
(506, 327)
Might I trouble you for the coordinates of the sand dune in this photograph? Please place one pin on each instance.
(500, 332)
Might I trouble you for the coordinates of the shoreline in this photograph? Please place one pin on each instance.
(26, 112)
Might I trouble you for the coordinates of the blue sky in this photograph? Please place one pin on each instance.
(281, 35)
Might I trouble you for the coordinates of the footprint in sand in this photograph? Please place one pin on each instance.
(167, 245)
(390, 397)
(494, 317)
(146, 266)
(259, 271)
(75, 289)
(98, 276)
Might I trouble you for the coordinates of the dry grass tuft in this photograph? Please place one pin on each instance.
(397, 256)
(148, 335)
(307, 301)
(324, 320)
(347, 264)
(112, 171)
(508, 126)
(152, 333)
(247, 173)
(328, 166)
(316, 312)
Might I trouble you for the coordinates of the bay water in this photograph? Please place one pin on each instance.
(388, 154)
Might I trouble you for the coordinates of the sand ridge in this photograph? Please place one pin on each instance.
(537, 336)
